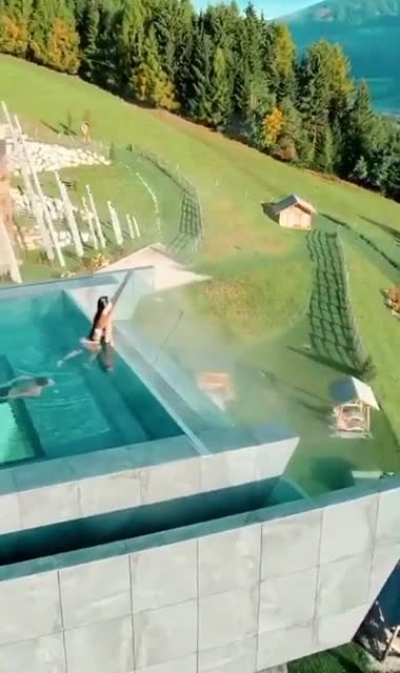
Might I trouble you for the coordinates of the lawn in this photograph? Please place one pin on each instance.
(369, 276)
(346, 659)
(252, 318)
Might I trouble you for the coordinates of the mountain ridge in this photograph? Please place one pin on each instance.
(346, 11)
(363, 28)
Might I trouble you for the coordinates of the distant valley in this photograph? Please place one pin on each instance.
(369, 32)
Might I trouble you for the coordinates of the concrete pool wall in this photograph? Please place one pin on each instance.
(236, 595)
(39, 493)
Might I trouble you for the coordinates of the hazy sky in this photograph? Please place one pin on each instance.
(272, 8)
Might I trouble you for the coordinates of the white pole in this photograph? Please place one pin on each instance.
(89, 218)
(135, 224)
(34, 200)
(69, 214)
(47, 217)
(96, 218)
(115, 224)
(118, 227)
(10, 254)
(130, 226)
(7, 117)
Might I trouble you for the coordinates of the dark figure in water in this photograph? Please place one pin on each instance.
(24, 386)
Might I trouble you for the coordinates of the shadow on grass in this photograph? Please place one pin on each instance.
(387, 229)
(61, 128)
(335, 473)
(328, 361)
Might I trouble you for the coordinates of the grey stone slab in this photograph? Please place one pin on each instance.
(229, 561)
(105, 647)
(278, 647)
(291, 544)
(288, 601)
(238, 657)
(165, 634)
(343, 584)
(228, 617)
(348, 528)
(40, 655)
(164, 575)
(50, 504)
(110, 492)
(230, 468)
(273, 458)
(29, 607)
(10, 519)
(29, 476)
(185, 665)
(384, 561)
(7, 481)
(95, 591)
(388, 525)
(335, 630)
(170, 480)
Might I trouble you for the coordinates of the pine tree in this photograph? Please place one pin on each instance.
(324, 150)
(89, 32)
(392, 185)
(314, 105)
(183, 53)
(200, 89)
(131, 40)
(361, 130)
(150, 84)
(360, 171)
(279, 60)
(221, 98)
(105, 63)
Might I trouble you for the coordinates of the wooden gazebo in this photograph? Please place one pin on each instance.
(355, 400)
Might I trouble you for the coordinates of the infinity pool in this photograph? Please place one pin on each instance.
(88, 408)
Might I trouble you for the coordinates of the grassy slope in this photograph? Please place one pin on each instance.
(262, 274)
(369, 275)
(232, 179)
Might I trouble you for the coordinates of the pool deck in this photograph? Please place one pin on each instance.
(169, 273)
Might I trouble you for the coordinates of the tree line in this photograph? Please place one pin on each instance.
(232, 71)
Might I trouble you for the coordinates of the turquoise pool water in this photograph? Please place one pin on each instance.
(88, 408)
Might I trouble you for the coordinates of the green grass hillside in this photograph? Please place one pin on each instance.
(253, 317)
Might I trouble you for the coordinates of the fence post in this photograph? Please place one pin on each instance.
(115, 224)
(8, 249)
(69, 213)
(89, 217)
(32, 198)
(136, 226)
(97, 222)
(53, 234)
(130, 226)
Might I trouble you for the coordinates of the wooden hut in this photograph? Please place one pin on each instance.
(355, 400)
(294, 213)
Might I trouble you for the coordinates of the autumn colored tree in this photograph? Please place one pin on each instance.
(54, 41)
(14, 26)
(273, 124)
